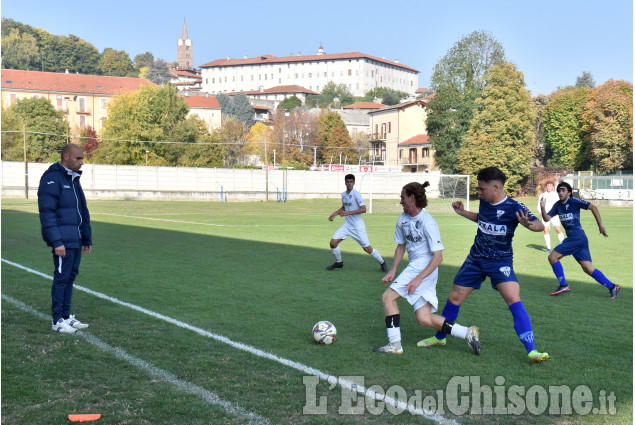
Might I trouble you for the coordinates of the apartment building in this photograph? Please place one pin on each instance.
(358, 71)
(83, 98)
(399, 137)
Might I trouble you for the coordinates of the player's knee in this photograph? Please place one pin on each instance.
(425, 320)
(588, 269)
(333, 244)
(368, 249)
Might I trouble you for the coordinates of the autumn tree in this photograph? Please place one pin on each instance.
(259, 134)
(334, 139)
(608, 122)
(562, 129)
(501, 132)
(457, 80)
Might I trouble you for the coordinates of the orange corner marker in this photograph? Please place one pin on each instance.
(84, 417)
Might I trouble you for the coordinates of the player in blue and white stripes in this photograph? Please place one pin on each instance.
(491, 256)
(576, 243)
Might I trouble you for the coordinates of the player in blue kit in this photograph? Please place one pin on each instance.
(576, 243)
(491, 256)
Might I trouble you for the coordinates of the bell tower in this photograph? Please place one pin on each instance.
(184, 56)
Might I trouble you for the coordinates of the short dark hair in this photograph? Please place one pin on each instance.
(349, 177)
(419, 191)
(491, 174)
(565, 185)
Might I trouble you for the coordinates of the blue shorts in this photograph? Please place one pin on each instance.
(474, 271)
(577, 245)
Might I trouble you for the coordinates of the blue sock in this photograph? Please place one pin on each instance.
(559, 272)
(450, 312)
(599, 276)
(522, 324)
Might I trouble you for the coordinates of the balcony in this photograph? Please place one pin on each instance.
(377, 137)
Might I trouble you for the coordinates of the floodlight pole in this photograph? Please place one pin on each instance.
(266, 173)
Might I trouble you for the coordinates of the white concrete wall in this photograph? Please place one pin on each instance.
(182, 183)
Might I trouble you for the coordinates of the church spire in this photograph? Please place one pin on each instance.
(184, 35)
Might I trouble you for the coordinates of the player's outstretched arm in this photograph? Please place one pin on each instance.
(459, 208)
(598, 219)
(336, 213)
(533, 225)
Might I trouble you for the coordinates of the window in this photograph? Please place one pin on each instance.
(326, 74)
(59, 103)
(265, 76)
(102, 121)
(279, 70)
(279, 80)
(225, 79)
(81, 104)
(252, 78)
(241, 78)
(425, 153)
(350, 72)
(310, 74)
(82, 121)
(103, 103)
(390, 127)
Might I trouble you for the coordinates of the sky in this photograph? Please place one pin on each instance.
(551, 41)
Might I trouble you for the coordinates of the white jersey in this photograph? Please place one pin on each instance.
(550, 197)
(420, 234)
(351, 202)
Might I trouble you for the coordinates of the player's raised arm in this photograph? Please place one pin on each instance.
(525, 219)
(459, 208)
(543, 212)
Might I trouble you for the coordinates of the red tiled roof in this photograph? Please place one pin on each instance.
(201, 102)
(260, 108)
(422, 90)
(279, 90)
(304, 58)
(69, 83)
(365, 105)
(185, 73)
(419, 139)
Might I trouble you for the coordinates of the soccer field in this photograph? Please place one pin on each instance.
(201, 313)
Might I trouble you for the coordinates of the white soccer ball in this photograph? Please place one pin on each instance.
(324, 332)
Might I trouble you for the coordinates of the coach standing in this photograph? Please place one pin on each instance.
(66, 228)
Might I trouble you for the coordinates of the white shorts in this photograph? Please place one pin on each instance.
(555, 221)
(358, 234)
(426, 292)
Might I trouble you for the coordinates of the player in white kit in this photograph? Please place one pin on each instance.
(353, 207)
(418, 233)
(551, 197)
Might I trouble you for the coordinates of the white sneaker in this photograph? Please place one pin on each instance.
(473, 340)
(63, 327)
(74, 323)
(390, 348)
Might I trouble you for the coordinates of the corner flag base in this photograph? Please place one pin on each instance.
(84, 417)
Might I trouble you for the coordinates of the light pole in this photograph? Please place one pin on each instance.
(147, 157)
(315, 156)
(284, 150)
(340, 158)
(274, 159)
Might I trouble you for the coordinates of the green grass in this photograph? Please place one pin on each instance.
(255, 273)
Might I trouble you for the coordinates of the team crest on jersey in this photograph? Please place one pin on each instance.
(418, 225)
(566, 207)
(499, 213)
(492, 229)
(506, 271)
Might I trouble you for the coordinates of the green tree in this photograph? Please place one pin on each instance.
(562, 128)
(334, 95)
(12, 136)
(387, 95)
(40, 117)
(290, 103)
(159, 72)
(608, 122)
(143, 60)
(243, 110)
(116, 63)
(333, 138)
(226, 105)
(501, 132)
(457, 80)
(585, 80)
(20, 51)
(148, 114)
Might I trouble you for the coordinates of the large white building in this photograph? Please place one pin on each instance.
(358, 71)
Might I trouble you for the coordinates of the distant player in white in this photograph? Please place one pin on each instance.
(550, 197)
(418, 233)
(352, 208)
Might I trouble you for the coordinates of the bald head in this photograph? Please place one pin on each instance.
(72, 157)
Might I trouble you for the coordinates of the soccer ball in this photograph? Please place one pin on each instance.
(324, 332)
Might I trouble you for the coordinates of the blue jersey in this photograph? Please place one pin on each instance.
(496, 226)
(569, 213)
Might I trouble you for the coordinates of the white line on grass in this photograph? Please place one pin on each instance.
(157, 373)
(349, 385)
(162, 219)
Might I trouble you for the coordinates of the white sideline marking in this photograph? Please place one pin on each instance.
(157, 373)
(162, 219)
(351, 386)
